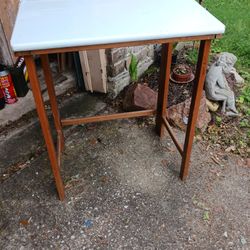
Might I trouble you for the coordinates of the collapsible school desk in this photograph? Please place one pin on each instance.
(54, 26)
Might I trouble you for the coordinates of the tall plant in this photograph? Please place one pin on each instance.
(133, 68)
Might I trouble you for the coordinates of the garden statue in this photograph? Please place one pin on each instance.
(216, 85)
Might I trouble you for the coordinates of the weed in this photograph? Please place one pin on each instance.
(191, 56)
(218, 120)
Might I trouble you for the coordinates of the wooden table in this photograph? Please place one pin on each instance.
(55, 26)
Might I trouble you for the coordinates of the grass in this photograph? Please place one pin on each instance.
(235, 14)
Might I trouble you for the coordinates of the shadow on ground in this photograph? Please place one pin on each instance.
(123, 192)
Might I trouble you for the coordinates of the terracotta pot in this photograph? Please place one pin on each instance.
(183, 76)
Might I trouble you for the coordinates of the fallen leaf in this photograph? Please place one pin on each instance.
(93, 141)
(244, 163)
(24, 223)
(104, 179)
(230, 149)
(216, 160)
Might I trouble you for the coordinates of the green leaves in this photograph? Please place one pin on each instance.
(235, 15)
(133, 68)
(245, 94)
(218, 120)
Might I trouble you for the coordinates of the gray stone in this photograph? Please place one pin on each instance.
(117, 54)
(117, 68)
(181, 45)
(117, 84)
(135, 49)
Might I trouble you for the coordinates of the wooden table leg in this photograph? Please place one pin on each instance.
(166, 58)
(195, 104)
(52, 96)
(29, 60)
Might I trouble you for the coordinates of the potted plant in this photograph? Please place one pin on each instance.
(182, 73)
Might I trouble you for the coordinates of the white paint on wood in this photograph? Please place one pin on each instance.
(46, 24)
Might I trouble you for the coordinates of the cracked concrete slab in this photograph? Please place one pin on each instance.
(123, 192)
(22, 143)
(13, 112)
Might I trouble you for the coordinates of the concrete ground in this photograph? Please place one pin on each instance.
(122, 189)
(12, 112)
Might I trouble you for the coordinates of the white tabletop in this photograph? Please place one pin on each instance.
(46, 24)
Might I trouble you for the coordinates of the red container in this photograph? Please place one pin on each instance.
(7, 87)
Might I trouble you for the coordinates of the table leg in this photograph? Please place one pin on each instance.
(29, 60)
(52, 96)
(195, 104)
(166, 58)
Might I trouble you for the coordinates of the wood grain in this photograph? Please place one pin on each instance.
(29, 60)
(201, 69)
(8, 12)
(171, 133)
(166, 58)
(101, 118)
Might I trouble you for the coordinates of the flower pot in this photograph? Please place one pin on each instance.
(182, 73)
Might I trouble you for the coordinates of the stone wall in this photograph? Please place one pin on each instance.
(118, 61)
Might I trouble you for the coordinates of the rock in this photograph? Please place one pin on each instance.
(184, 45)
(225, 234)
(234, 78)
(230, 80)
(139, 97)
(212, 106)
(248, 162)
(230, 149)
(238, 78)
(178, 114)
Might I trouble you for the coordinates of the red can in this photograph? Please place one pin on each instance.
(7, 87)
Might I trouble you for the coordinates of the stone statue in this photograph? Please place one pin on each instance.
(216, 85)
